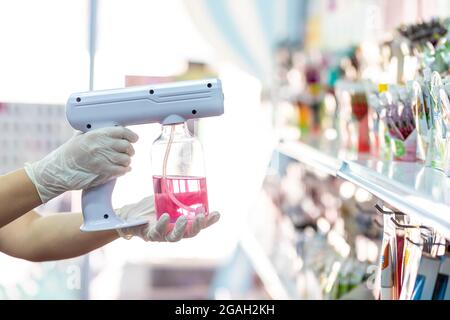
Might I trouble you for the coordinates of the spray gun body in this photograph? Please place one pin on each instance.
(167, 104)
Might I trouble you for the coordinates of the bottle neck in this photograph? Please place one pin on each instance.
(178, 129)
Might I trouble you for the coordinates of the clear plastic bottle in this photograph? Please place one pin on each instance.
(179, 181)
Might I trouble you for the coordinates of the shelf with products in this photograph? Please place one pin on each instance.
(419, 191)
(306, 241)
(398, 111)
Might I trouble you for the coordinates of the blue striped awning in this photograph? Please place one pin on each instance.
(248, 31)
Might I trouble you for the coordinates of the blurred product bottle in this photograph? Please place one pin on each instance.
(374, 123)
(353, 116)
(304, 117)
(344, 112)
(383, 134)
(360, 121)
(312, 76)
(329, 115)
(438, 132)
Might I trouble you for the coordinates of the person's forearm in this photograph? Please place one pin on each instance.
(55, 237)
(17, 196)
(59, 237)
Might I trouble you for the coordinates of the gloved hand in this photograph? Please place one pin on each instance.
(162, 229)
(85, 161)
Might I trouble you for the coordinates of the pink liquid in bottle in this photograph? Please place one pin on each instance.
(189, 191)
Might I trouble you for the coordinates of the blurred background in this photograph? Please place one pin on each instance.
(273, 240)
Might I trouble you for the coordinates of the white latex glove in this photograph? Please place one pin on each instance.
(85, 161)
(162, 229)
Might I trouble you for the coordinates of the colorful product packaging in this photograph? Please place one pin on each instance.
(400, 135)
(420, 108)
(445, 122)
(412, 254)
(400, 242)
(426, 277)
(388, 262)
(438, 138)
(404, 141)
(442, 287)
(385, 100)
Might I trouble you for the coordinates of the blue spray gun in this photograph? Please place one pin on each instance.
(168, 104)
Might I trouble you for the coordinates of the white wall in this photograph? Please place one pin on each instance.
(43, 56)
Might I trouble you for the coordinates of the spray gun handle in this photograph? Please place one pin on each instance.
(96, 204)
(98, 213)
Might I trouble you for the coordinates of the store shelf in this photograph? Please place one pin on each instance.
(318, 153)
(423, 193)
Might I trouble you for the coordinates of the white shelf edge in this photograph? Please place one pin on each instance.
(310, 156)
(428, 212)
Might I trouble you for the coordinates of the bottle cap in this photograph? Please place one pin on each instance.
(382, 87)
